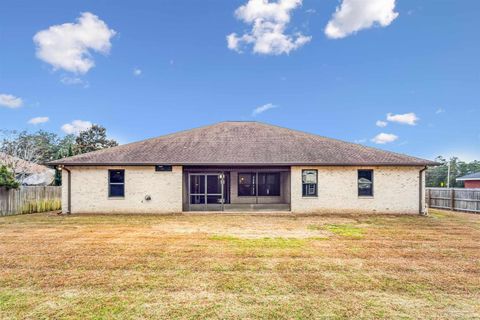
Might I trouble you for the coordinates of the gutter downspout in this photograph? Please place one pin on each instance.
(421, 209)
(69, 198)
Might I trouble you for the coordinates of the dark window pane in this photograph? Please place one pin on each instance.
(197, 184)
(197, 199)
(269, 184)
(163, 168)
(246, 190)
(214, 199)
(245, 178)
(246, 184)
(309, 190)
(213, 184)
(117, 176)
(117, 190)
(365, 182)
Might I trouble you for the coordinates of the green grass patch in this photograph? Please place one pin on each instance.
(345, 230)
(437, 214)
(273, 243)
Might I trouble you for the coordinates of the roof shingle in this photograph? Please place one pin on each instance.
(242, 143)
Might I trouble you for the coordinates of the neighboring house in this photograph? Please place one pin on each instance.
(242, 166)
(471, 180)
(28, 173)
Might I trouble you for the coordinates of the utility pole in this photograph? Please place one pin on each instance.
(448, 174)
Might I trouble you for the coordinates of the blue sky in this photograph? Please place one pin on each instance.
(404, 57)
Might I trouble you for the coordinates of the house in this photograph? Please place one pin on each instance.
(28, 173)
(471, 180)
(242, 166)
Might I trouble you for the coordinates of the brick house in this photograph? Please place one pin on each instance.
(242, 166)
(471, 181)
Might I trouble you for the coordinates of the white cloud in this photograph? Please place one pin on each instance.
(10, 101)
(269, 21)
(355, 15)
(137, 72)
(71, 81)
(38, 120)
(262, 109)
(383, 138)
(381, 124)
(68, 46)
(76, 126)
(406, 118)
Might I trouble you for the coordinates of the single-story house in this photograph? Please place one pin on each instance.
(242, 166)
(471, 180)
(28, 173)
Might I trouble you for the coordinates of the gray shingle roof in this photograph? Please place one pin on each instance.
(242, 143)
(472, 176)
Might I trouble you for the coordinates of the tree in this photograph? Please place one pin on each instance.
(438, 176)
(93, 139)
(17, 146)
(7, 178)
(65, 147)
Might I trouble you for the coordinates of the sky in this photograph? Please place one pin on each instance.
(398, 75)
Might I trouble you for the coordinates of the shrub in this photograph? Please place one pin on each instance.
(7, 178)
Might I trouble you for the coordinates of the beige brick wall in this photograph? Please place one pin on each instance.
(396, 190)
(90, 190)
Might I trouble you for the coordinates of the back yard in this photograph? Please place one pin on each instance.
(234, 266)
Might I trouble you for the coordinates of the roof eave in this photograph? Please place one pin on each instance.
(379, 164)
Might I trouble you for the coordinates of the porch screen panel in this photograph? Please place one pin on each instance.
(197, 189)
(246, 184)
(269, 184)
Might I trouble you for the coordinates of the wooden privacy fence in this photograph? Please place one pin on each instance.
(454, 199)
(29, 200)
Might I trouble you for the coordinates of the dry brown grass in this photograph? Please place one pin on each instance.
(240, 266)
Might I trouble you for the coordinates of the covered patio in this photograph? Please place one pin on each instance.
(241, 188)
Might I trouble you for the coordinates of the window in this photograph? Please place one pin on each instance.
(160, 168)
(246, 184)
(269, 184)
(309, 183)
(116, 183)
(365, 183)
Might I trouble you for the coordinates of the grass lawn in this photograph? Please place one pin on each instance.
(240, 266)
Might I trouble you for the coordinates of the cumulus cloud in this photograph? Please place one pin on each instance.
(10, 101)
(354, 15)
(38, 120)
(76, 126)
(406, 118)
(269, 21)
(383, 138)
(262, 109)
(69, 46)
(381, 124)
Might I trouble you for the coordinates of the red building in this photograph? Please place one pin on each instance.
(471, 180)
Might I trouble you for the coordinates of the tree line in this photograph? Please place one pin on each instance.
(438, 176)
(42, 147)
